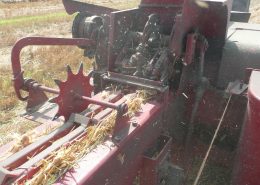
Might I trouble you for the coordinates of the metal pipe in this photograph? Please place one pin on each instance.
(84, 98)
(45, 89)
(39, 41)
(201, 88)
(97, 102)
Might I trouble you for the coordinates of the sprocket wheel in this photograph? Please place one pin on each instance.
(75, 84)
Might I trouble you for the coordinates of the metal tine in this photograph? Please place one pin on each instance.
(53, 100)
(56, 116)
(57, 82)
(69, 71)
(81, 67)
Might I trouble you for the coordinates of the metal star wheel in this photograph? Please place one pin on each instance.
(76, 85)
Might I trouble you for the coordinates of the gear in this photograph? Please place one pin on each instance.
(75, 84)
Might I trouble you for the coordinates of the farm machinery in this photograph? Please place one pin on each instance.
(195, 64)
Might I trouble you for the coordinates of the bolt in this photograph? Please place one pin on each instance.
(135, 124)
(117, 139)
(241, 85)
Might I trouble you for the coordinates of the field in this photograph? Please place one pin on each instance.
(17, 21)
(43, 18)
(255, 10)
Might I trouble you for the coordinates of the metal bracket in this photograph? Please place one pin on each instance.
(135, 81)
(153, 159)
(237, 87)
(77, 118)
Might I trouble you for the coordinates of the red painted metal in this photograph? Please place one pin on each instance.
(101, 103)
(247, 168)
(190, 49)
(115, 165)
(21, 157)
(120, 163)
(76, 84)
(119, 159)
(15, 56)
(22, 161)
(36, 86)
(215, 10)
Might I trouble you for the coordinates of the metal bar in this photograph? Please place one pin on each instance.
(96, 168)
(98, 102)
(75, 134)
(46, 89)
(4, 174)
(162, 5)
(202, 84)
(84, 98)
(40, 41)
(29, 149)
(41, 144)
(112, 99)
(53, 147)
(135, 81)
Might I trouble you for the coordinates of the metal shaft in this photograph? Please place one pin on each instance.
(98, 102)
(46, 89)
(83, 98)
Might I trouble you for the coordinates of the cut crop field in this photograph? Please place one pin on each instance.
(40, 18)
(255, 10)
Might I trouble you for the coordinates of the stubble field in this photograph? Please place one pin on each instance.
(39, 18)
